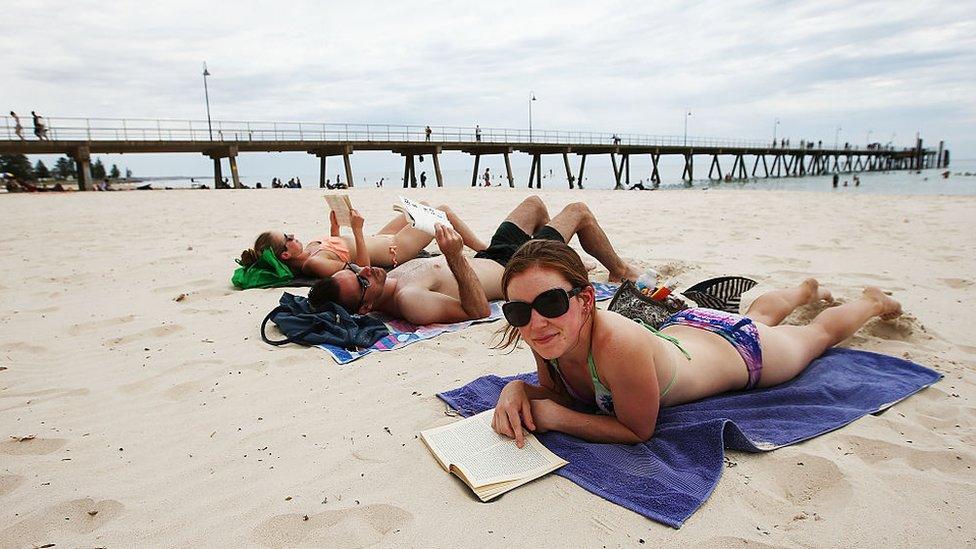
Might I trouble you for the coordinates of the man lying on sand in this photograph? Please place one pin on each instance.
(452, 288)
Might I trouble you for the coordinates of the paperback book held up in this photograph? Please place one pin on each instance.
(489, 463)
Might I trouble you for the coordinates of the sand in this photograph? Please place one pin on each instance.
(169, 423)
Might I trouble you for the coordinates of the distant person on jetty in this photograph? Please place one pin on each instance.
(39, 129)
(453, 288)
(427, 132)
(18, 129)
(477, 132)
(395, 243)
(604, 377)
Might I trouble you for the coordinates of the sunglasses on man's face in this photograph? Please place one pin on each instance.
(363, 282)
(550, 304)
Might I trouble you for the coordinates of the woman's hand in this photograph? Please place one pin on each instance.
(356, 220)
(545, 414)
(512, 410)
(333, 223)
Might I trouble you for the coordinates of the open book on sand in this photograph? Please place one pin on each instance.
(421, 216)
(340, 204)
(489, 463)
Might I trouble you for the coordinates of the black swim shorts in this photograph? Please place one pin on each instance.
(509, 238)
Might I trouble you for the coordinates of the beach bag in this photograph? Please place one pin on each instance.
(722, 294)
(267, 272)
(333, 325)
(631, 303)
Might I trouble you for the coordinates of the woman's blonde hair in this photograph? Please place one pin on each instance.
(551, 255)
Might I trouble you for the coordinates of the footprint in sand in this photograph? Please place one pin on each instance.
(85, 327)
(151, 334)
(956, 283)
(354, 527)
(817, 478)
(79, 516)
(31, 447)
(875, 451)
(9, 483)
(904, 328)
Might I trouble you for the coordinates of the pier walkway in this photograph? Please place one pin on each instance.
(79, 138)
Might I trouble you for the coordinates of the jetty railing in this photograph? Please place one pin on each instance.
(163, 129)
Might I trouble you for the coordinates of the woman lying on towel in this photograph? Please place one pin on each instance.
(621, 372)
(393, 244)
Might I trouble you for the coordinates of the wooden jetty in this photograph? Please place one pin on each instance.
(80, 138)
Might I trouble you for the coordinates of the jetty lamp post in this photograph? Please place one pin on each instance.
(775, 124)
(837, 137)
(687, 115)
(531, 99)
(206, 95)
(869, 136)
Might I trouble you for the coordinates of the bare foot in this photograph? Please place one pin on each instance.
(630, 273)
(815, 292)
(889, 307)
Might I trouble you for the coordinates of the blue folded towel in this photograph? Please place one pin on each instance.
(667, 478)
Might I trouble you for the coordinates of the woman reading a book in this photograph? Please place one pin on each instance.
(603, 377)
(393, 244)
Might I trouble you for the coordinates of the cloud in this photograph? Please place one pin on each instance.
(890, 67)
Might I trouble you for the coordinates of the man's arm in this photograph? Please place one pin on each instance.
(421, 306)
(472, 296)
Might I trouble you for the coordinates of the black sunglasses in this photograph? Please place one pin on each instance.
(363, 282)
(550, 304)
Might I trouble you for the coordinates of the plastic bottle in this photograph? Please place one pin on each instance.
(647, 280)
(664, 291)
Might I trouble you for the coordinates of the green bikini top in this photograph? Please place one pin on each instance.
(601, 394)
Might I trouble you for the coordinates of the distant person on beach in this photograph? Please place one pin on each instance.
(423, 179)
(477, 133)
(453, 288)
(395, 243)
(427, 132)
(18, 129)
(487, 178)
(39, 129)
(857, 181)
(604, 377)
(836, 179)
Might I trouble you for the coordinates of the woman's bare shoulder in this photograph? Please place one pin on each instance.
(617, 336)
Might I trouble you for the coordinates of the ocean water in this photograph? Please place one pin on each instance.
(599, 176)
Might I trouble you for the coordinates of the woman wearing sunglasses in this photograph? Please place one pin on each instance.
(324, 256)
(603, 377)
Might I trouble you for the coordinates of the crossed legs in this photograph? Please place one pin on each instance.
(575, 219)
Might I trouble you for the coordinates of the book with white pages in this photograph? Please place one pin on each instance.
(421, 216)
(342, 206)
(489, 463)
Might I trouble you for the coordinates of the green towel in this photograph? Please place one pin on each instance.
(267, 272)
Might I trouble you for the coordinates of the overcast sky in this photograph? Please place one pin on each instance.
(891, 68)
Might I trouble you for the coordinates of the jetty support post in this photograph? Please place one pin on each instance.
(232, 159)
(655, 174)
(582, 167)
(715, 164)
(508, 170)
(82, 158)
(474, 172)
(435, 156)
(322, 158)
(616, 171)
(689, 171)
(346, 151)
(569, 172)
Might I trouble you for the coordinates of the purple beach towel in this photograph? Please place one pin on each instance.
(668, 478)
